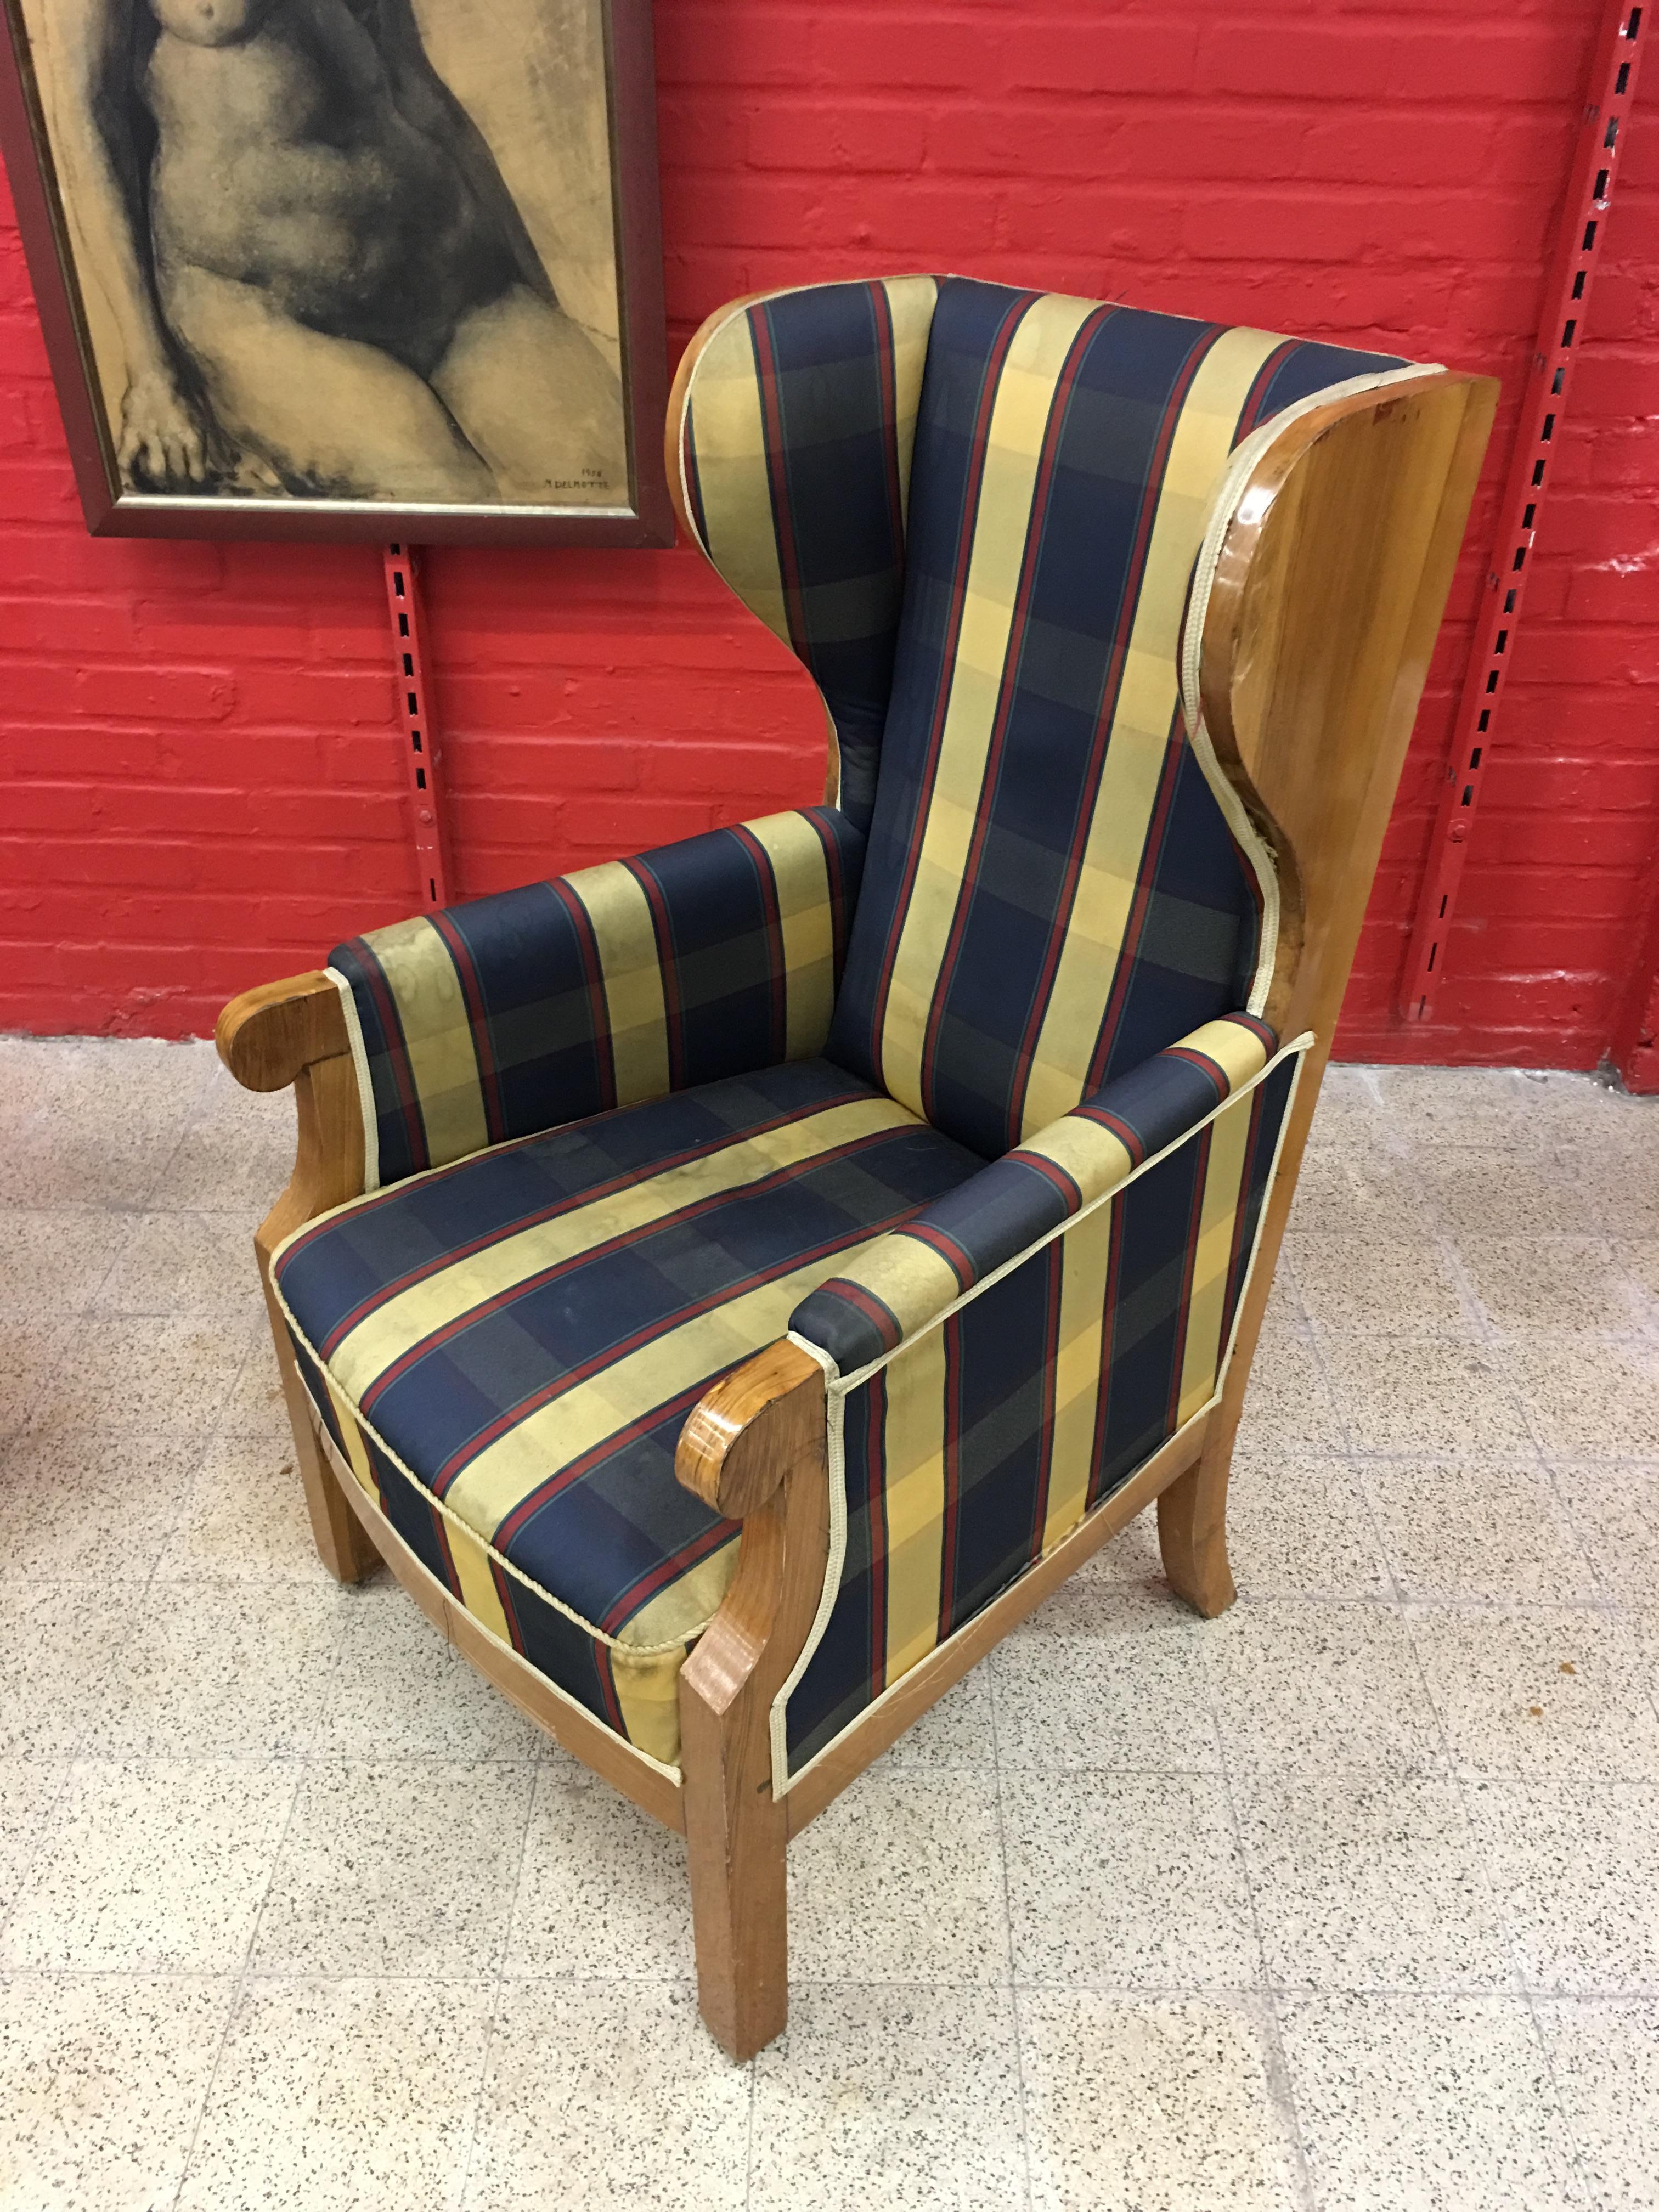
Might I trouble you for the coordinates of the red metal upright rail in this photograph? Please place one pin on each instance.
(421, 747)
(1566, 299)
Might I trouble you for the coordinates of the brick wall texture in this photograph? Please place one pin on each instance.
(201, 784)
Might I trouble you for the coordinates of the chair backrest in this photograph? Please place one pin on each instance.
(1055, 886)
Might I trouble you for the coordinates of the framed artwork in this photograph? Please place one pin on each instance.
(351, 269)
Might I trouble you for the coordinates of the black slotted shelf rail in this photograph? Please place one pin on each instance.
(1566, 300)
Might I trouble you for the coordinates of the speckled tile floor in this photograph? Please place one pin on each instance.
(1350, 1899)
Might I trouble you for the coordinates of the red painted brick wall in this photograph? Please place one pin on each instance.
(200, 785)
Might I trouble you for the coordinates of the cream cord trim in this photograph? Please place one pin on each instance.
(365, 1086)
(838, 1387)
(1223, 508)
(343, 1473)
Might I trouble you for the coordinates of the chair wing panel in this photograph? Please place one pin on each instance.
(511, 1015)
(794, 445)
(1053, 891)
(982, 1441)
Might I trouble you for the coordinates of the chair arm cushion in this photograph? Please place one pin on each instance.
(512, 1014)
(910, 1278)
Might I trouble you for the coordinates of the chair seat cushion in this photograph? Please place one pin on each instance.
(504, 1351)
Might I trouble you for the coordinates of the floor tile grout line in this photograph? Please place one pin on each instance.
(536, 1770)
(238, 1987)
(1020, 2085)
(1275, 2059)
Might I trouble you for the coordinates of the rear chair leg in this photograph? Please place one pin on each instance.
(342, 1541)
(1192, 1528)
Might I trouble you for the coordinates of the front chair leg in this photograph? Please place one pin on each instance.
(342, 1542)
(1191, 1527)
(754, 1450)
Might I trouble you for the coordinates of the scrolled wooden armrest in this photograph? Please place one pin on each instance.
(266, 1037)
(744, 1434)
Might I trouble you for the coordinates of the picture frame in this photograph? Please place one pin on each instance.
(347, 269)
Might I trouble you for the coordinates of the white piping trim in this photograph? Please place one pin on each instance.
(839, 1386)
(835, 1454)
(354, 1030)
(1223, 509)
(345, 1472)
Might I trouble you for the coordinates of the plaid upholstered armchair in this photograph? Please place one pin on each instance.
(729, 1287)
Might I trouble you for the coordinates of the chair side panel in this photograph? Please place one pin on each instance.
(983, 1443)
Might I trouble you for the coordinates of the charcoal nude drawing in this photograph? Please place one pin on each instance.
(318, 284)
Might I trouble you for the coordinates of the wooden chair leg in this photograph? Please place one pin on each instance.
(1192, 1528)
(754, 1450)
(342, 1542)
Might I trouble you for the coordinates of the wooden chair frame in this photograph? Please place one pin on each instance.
(1332, 582)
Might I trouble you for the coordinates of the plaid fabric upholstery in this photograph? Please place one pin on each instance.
(986, 1440)
(916, 1272)
(619, 983)
(505, 1350)
(795, 456)
(1051, 893)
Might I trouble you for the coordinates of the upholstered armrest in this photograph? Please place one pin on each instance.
(512, 1014)
(910, 1278)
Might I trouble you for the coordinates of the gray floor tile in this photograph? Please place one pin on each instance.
(1360, 1192)
(902, 1881)
(36, 1351)
(52, 1264)
(1380, 1287)
(1369, 1881)
(1161, 2105)
(399, 1692)
(1548, 1691)
(404, 1869)
(603, 1890)
(1131, 1556)
(609, 2097)
(1128, 1881)
(1476, 1528)
(221, 1670)
(235, 1154)
(333, 2096)
(1605, 2056)
(1288, 1406)
(1530, 1191)
(101, 2085)
(1615, 1511)
(1297, 1685)
(1405, 1395)
(1560, 1285)
(895, 2098)
(90, 1505)
(1576, 1868)
(1638, 1261)
(243, 1517)
(184, 1263)
(1301, 1527)
(59, 1642)
(161, 1377)
(1349, 1113)
(1104, 1675)
(1409, 2103)
(29, 1789)
(1434, 1108)
(153, 1869)
(1589, 1397)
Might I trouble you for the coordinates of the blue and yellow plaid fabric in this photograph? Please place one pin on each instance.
(795, 462)
(506, 1349)
(964, 1080)
(619, 983)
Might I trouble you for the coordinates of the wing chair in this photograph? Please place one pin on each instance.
(729, 1287)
